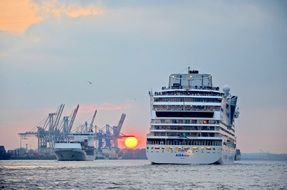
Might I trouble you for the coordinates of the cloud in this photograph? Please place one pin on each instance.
(17, 16)
(56, 9)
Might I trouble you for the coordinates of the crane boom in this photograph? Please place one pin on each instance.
(92, 121)
(117, 130)
(120, 124)
(73, 118)
(58, 116)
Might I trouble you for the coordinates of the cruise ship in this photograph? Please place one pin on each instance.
(79, 147)
(192, 122)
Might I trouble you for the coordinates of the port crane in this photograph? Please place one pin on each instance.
(56, 128)
(111, 137)
(52, 130)
(88, 127)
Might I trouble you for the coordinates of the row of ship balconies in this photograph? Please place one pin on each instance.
(188, 99)
(197, 108)
(185, 128)
(187, 93)
(190, 129)
(184, 121)
(185, 134)
(201, 142)
(192, 124)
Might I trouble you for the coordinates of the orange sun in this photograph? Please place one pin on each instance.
(131, 142)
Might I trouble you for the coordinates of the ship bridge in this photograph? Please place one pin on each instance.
(190, 80)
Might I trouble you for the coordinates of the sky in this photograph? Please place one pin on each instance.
(49, 50)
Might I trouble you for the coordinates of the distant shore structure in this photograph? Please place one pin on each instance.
(87, 141)
(192, 122)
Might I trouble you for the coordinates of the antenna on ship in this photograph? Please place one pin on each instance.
(192, 71)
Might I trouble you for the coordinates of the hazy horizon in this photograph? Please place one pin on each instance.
(50, 50)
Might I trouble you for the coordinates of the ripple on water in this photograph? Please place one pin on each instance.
(140, 174)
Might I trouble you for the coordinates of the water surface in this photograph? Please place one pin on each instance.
(140, 174)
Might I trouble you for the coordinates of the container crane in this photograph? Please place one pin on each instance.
(92, 122)
(108, 136)
(87, 127)
(117, 130)
(46, 132)
(74, 114)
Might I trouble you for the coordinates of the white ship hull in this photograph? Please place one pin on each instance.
(163, 155)
(73, 155)
(72, 152)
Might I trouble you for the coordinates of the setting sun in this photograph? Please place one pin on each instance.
(131, 142)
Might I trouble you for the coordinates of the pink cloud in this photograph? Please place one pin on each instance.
(104, 107)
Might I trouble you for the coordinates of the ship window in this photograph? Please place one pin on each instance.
(184, 114)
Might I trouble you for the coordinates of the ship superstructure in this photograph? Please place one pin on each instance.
(192, 122)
